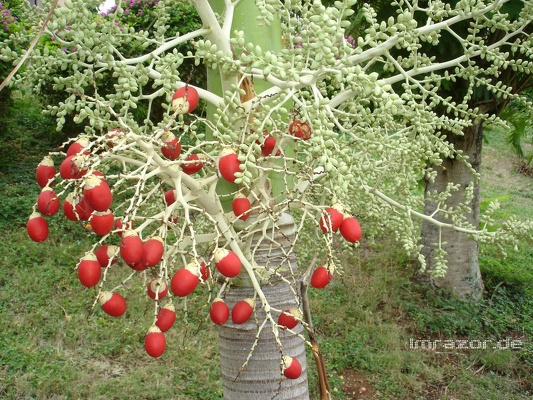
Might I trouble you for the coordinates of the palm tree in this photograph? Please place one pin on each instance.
(300, 128)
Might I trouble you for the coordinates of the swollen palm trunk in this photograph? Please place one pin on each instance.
(251, 360)
(463, 276)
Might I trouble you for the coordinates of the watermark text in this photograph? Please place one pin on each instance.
(466, 344)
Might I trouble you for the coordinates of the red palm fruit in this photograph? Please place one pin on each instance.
(101, 176)
(185, 99)
(102, 222)
(351, 230)
(185, 280)
(191, 164)
(157, 289)
(321, 277)
(76, 209)
(70, 168)
(97, 193)
(89, 270)
(153, 250)
(288, 318)
(267, 147)
(84, 209)
(241, 206)
(242, 311)
(170, 197)
(120, 227)
(300, 129)
(137, 266)
(173, 218)
(227, 263)
(166, 317)
(331, 220)
(37, 227)
(291, 367)
(112, 303)
(77, 146)
(47, 202)
(114, 136)
(45, 171)
(131, 247)
(205, 273)
(219, 311)
(155, 342)
(68, 208)
(172, 147)
(229, 164)
(106, 255)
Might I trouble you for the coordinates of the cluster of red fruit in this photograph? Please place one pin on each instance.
(93, 204)
(332, 221)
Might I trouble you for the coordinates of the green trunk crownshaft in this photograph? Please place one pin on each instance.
(266, 37)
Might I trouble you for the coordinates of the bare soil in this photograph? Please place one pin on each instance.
(357, 386)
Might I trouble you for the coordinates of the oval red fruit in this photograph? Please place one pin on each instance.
(84, 209)
(70, 168)
(242, 311)
(288, 318)
(291, 367)
(89, 270)
(77, 146)
(68, 208)
(131, 247)
(97, 193)
(185, 99)
(241, 206)
(153, 250)
(76, 209)
(267, 147)
(112, 303)
(157, 289)
(300, 129)
(166, 317)
(106, 255)
(47, 202)
(155, 342)
(37, 227)
(205, 272)
(229, 164)
(331, 220)
(351, 230)
(227, 263)
(102, 222)
(172, 146)
(191, 164)
(137, 266)
(101, 176)
(321, 277)
(120, 227)
(45, 171)
(185, 280)
(170, 197)
(219, 311)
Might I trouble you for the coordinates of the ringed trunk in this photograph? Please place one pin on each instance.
(463, 276)
(250, 357)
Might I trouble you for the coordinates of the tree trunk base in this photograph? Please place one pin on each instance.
(261, 378)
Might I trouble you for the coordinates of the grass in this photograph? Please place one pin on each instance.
(53, 347)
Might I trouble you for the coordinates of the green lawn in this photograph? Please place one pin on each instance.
(54, 347)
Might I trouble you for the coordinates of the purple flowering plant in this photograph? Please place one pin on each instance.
(6, 18)
(136, 13)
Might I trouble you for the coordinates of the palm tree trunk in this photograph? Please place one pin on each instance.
(463, 276)
(251, 360)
